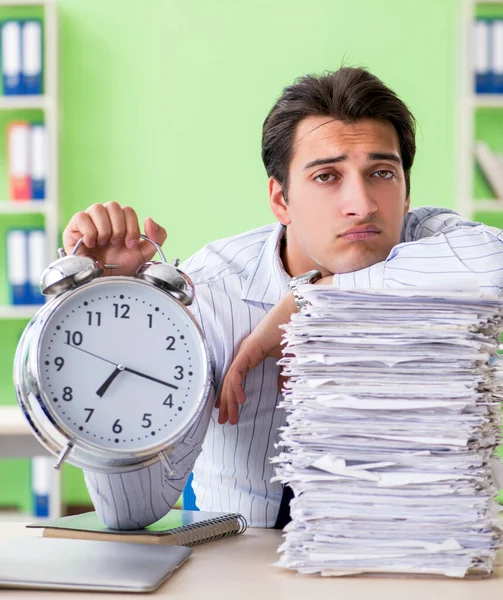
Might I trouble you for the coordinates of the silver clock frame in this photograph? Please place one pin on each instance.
(53, 434)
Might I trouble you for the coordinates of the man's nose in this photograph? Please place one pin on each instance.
(356, 199)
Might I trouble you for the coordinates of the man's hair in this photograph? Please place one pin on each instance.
(348, 95)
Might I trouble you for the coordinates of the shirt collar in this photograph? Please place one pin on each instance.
(268, 280)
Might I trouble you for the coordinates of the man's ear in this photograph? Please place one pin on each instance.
(406, 208)
(277, 201)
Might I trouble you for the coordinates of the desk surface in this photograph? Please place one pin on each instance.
(238, 568)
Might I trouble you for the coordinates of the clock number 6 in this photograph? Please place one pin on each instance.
(117, 428)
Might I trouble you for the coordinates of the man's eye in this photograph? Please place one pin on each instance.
(324, 177)
(384, 174)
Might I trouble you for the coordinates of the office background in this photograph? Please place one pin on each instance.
(162, 104)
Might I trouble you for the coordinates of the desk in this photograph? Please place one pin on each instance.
(238, 568)
(17, 440)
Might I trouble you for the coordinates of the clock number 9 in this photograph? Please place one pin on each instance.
(117, 428)
(59, 362)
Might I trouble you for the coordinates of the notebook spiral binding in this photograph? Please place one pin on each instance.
(216, 529)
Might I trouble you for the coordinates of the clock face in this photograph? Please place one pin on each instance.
(122, 365)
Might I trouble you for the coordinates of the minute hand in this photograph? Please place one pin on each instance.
(151, 378)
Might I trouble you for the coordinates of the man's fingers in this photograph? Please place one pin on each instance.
(222, 413)
(132, 235)
(117, 223)
(80, 225)
(232, 411)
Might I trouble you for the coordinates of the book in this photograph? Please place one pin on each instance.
(177, 528)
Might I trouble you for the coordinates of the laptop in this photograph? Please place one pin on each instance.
(88, 565)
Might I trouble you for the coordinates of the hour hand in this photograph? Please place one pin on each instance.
(106, 384)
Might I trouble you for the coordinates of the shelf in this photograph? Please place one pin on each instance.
(24, 102)
(487, 100)
(13, 207)
(19, 312)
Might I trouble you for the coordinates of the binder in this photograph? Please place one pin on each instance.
(18, 138)
(37, 261)
(17, 263)
(41, 483)
(482, 56)
(497, 56)
(38, 160)
(11, 58)
(31, 57)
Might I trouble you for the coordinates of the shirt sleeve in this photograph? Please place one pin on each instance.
(135, 499)
(441, 249)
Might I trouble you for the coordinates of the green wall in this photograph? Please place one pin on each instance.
(162, 104)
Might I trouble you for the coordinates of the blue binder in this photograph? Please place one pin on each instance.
(17, 266)
(31, 57)
(11, 58)
(37, 262)
(482, 59)
(38, 160)
(497, 56)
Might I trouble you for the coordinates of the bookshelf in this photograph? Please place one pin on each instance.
(43, 212)
(471, 110)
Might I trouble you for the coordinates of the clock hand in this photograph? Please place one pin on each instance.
(91, 353)
(124, 368)
(151, 378)
(104, 387)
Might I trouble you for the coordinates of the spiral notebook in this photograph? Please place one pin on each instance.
(177, 528)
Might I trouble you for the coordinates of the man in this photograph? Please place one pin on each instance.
(338, 150)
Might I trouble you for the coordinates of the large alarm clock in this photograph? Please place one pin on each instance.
(112, 372)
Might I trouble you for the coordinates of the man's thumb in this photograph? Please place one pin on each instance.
(154, 232)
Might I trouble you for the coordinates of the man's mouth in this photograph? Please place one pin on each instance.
(362, 232)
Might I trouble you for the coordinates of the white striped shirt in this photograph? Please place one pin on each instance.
(238, 280)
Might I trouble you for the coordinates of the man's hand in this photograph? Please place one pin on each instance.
(264, 341)
(112, 233)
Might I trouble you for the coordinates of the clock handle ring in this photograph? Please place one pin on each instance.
(157, 247)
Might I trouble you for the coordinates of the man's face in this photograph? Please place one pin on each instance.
(346, 195)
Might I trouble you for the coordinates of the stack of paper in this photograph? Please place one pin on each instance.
(393, 410)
